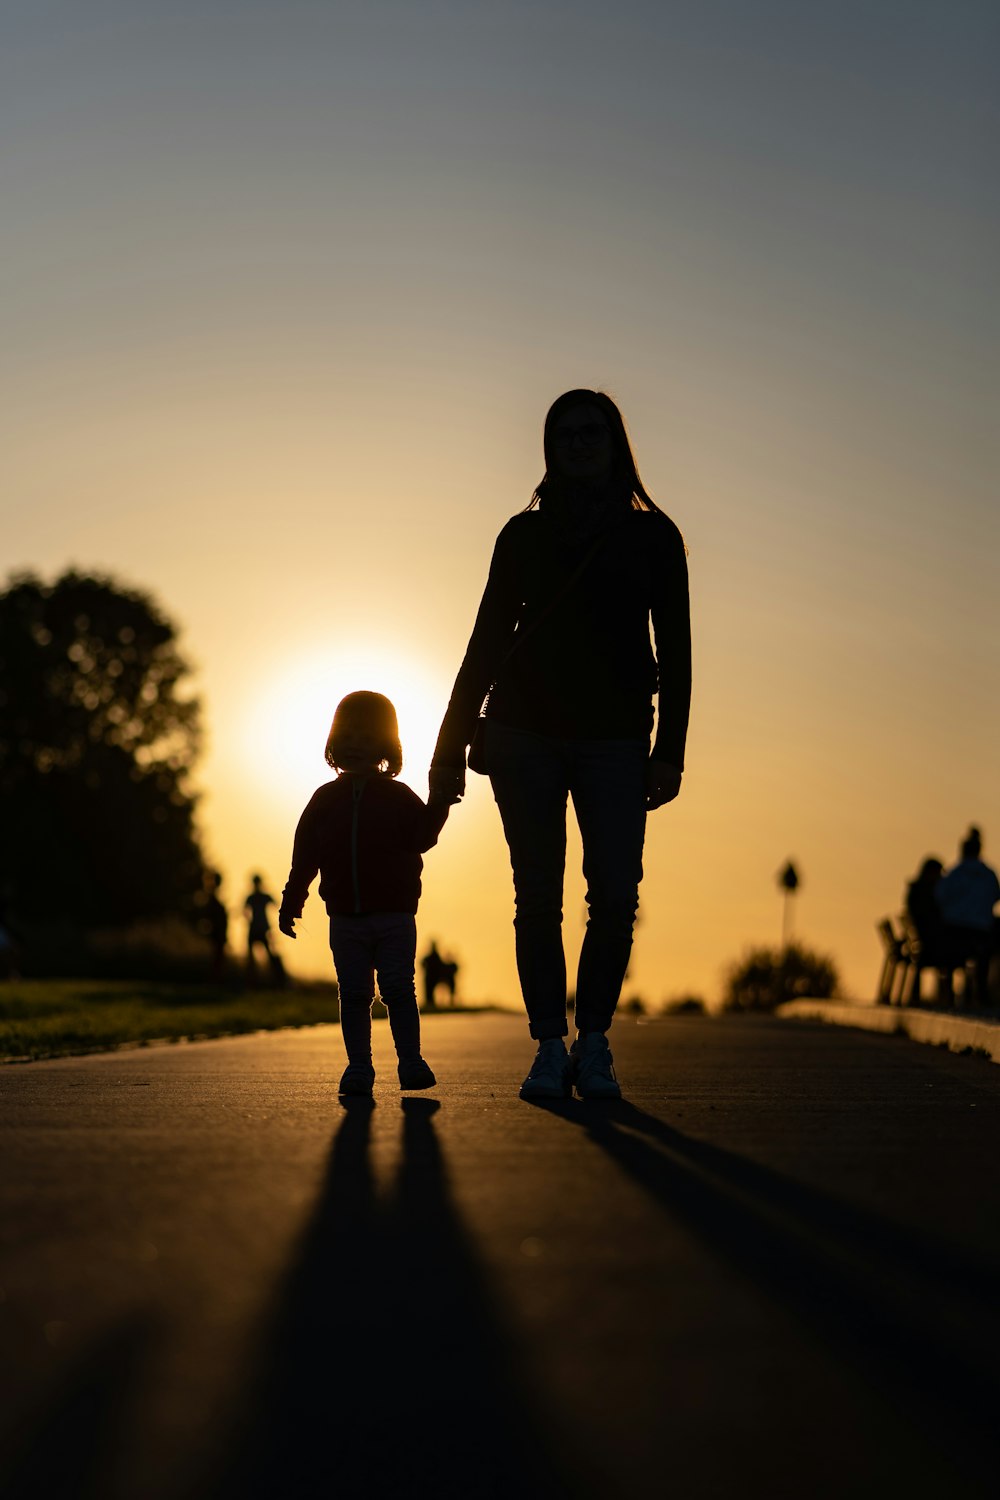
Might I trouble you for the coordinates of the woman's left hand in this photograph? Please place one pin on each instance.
(447, 784)
(663, 782)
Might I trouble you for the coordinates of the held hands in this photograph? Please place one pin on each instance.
(447, 784)
(663, 782)
(286, 924)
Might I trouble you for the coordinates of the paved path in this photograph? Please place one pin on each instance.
(773, 1271)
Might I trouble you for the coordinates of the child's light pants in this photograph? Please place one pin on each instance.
(382, 943)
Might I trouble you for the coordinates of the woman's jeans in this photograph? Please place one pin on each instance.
(384, 943)
(533, 775)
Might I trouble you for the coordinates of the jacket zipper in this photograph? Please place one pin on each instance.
(357, 792)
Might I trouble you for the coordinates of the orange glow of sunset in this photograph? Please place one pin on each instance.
(294, 289)
(287, 722)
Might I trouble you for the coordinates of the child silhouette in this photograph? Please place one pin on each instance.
(364, 833)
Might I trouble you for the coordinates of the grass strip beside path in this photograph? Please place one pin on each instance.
(62, 1017)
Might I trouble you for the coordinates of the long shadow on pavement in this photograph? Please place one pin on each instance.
(386, 1368)
(71, 1444)
(918, 1317)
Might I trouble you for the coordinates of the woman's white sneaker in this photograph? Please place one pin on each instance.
(550, 1072)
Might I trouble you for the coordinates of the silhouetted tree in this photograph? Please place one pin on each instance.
(766, 977)
(96, 740)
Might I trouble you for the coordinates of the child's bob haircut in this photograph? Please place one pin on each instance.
(373, 714)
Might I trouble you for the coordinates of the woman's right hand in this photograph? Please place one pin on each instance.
(447, 784)
(663, 782)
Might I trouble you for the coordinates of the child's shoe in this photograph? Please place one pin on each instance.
(358, 1079)
(416, 1075)
(593, 1067)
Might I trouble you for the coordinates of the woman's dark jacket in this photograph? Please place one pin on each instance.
(364, 834)
(588, 670)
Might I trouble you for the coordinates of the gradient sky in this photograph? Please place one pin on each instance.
(288, 288)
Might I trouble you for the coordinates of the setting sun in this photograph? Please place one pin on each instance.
(288, 722)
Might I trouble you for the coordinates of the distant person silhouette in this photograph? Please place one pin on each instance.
(216, 923)
(433, 966)
(561, 654)
(255, 908)
(364, 834)
(966, 895)
(924, 916)
(438, 971)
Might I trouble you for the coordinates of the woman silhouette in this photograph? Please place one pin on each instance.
(561, 651)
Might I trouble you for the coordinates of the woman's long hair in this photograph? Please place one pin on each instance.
(625, 472)
(375, 714)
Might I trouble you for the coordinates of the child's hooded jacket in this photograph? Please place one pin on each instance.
(364, 835)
